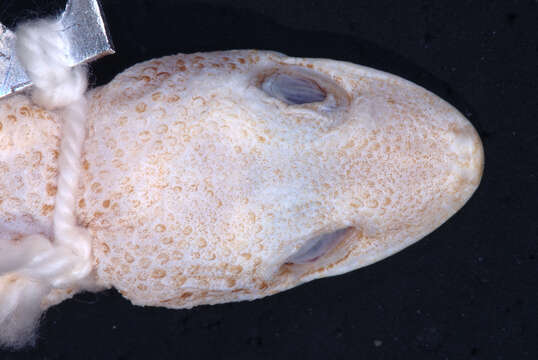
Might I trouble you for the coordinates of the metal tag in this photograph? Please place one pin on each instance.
(86, 30)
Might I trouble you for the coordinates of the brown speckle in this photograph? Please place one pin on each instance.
(96, 187)
(237, 269)
(167, 240)
(158, 274)
(25, 111)
(163, 75)
(160, 228)
(179, 280)
(145, 262)
(141, 107)
(163, 258)
(144, 136)
(144, 78)
(37, 156)
(172, 99)
(122, 120)
(51, 189)
(161, 129)
(186, 295)
(106, 203)
(111, 144)
(187, 230)
(46, 209)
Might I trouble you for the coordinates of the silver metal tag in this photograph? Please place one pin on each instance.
(86, 30)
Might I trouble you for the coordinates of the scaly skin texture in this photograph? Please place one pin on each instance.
(198, 187)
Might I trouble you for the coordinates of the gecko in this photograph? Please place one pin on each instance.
(234, 175)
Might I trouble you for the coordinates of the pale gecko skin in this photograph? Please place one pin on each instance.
(198, 187)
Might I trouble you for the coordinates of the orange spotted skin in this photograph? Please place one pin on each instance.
(29, 143)
(197, 186)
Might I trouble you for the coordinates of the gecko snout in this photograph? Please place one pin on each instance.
(468, 159)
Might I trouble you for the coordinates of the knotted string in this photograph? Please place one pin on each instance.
(30, 268)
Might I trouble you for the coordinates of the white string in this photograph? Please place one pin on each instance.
(32, 267)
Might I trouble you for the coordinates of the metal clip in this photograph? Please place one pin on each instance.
(86, 30)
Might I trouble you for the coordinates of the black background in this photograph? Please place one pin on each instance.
(467, 291)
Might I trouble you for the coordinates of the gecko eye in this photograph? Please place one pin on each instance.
(317, 247)
(293, 89)
(294, 85)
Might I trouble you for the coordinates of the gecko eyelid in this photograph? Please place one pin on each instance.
(293, 89)
(317, 246)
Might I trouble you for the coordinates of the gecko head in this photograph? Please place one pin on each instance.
(365, 163)
(270, 173)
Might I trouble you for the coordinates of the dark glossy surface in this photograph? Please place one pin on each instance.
(467, 291)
